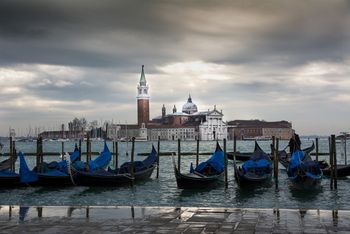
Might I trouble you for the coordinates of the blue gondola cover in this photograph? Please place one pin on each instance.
(26, 175)
(102, 160)
(216, 162)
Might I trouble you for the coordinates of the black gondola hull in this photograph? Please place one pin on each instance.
(47, 180)
(111, 179)
(247, 180)
(342, 170)
(9, 181)
(193, 181)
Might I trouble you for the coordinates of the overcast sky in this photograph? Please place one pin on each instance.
(270, 60)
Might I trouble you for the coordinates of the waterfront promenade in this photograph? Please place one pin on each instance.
(97, 219)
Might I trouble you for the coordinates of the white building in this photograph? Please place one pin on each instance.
(214, 128)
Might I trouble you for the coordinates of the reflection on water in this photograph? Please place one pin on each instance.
(243, 194)
(301, 217)
(305, 195)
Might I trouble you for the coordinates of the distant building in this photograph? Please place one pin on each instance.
(259, 129)
(189, 124)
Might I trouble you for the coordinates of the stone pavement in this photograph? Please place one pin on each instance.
(63, 219)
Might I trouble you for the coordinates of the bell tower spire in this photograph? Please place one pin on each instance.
(142, 100)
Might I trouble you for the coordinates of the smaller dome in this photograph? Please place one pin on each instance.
(189, 107)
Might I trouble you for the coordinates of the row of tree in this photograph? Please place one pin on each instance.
(82, 124)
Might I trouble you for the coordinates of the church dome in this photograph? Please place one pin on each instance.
(189, 107)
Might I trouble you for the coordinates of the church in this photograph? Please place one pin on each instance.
(187, 124)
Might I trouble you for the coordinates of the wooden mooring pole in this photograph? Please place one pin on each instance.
(13, 154)
(335, 174)
(11, 151)
(79, 150)
(225, 164)
(178, 154)
(273, 154)
(197, 153)
(113, 154)
(317, 149)
(276, 162)
(88, 148)
(330, 144)
(62, 150)
(116, 155)
(39, 154)
(158, 154)
(132, 169)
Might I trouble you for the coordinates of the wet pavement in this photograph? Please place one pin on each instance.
(63, 219)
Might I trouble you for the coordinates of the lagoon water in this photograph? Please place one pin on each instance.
(164, 192)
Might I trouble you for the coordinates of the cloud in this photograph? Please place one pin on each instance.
(253, 59)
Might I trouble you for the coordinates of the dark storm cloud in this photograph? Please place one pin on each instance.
(258, 52)
(125, 33)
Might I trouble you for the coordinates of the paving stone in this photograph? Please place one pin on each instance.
(179, 220)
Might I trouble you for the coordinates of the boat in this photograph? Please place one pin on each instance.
(8, 177)
(240, 156)
(284, 158)
(257, 170)
(6, 164)
(95, 173)
(47, 174)
(303, 172)
(342, 170)
(206, 175)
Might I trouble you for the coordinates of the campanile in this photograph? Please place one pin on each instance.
(142, 100)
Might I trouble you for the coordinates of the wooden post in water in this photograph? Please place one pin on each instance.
(79, 150)
(116, 155)
(37, 153)
(274, 155)
(178, 154)
(113, 157)
(335, 174)
(225, 164)
(62, 150)
(330, 144)
(11, 151)
(132, 160)
(197, 153)
(234, 155)
(13, 154)
(317, 149)
(88, 155)
(41, 155)
(276, 162)
(158, 155)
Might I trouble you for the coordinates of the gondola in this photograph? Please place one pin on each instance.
(342, 170)
(206, 175)
(8, 177)
(6, 164)
(47, 174)
(95, 174)
(255, 171)
(303, 172)
(240, 156)
(284, 158)
(56, 173)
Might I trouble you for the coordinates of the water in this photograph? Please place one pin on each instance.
(164, 192)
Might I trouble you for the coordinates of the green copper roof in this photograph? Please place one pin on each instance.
(143, 78)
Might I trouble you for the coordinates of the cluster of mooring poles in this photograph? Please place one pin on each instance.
(274, 155)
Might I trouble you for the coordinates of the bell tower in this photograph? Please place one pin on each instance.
(142, 100)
